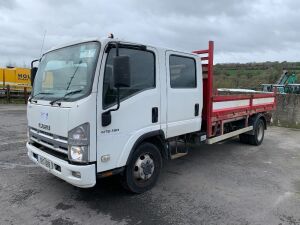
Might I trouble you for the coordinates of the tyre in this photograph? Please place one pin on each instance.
(259, 133)
(143, 169)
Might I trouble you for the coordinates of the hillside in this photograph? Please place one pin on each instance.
(251, 75)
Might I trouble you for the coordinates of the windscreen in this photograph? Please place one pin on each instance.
(65, 71)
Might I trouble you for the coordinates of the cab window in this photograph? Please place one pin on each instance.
(182, 72)
(142, 67)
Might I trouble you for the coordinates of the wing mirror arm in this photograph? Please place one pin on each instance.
(33, 71)
(122, 79)
(106, 116)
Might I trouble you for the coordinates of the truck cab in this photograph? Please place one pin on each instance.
(104, 106)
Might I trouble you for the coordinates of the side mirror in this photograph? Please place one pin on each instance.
(121, 71)
(32, 74)
(121, 78)
(33, 71)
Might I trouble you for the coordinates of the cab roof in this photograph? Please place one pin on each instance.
(104, 41)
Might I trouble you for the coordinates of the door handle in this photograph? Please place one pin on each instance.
(154, 115)
(196, 109)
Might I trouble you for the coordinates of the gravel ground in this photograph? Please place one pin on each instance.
(226, 183)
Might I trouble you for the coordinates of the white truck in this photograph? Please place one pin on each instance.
(104, 106)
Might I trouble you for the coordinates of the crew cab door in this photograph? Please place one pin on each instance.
(139, 111)
(184, 93)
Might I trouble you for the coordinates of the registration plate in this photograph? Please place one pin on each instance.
(45, 162)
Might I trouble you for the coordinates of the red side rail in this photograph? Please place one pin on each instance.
(217, 110)
(207, 69)
(241, 105)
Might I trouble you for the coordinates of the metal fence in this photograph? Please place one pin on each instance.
(14, 94)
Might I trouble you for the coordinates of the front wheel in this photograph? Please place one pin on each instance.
(143, 169)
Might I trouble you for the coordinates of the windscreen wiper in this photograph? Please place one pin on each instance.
(40, 93)
(70, 81)
(63, 97)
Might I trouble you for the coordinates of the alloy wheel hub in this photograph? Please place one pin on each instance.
(144, 167)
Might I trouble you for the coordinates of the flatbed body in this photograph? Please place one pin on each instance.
(221, 109)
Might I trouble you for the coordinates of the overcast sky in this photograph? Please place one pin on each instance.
(243, 31)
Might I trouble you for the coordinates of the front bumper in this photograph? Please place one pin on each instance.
(87, 172)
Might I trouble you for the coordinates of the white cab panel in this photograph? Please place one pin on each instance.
(128, 123)
(181, 102)
(55, 119)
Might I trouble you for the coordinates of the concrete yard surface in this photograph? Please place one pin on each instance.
(225, 183)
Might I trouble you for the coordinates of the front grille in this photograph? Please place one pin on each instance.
(50, 151)
(48, 141)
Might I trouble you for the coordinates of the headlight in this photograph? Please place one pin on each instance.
(79, 153)
(78, 141)
(79, 135)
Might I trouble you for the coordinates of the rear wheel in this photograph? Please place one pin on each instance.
(259, 133)
(258, 136)
(143, 169)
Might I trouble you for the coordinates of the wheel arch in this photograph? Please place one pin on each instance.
(155, 137)
(254, 119)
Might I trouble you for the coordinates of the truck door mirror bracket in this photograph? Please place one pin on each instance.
(106, 118)
(122, 79)
(33, 71)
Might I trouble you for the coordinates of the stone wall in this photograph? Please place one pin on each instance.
(287, 113)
